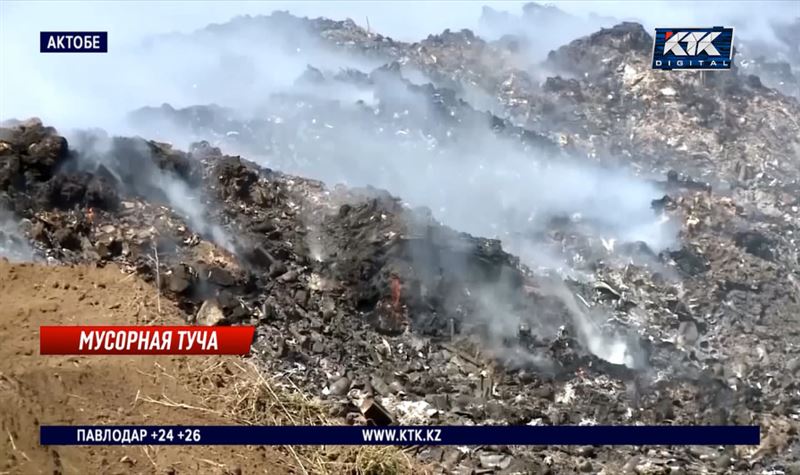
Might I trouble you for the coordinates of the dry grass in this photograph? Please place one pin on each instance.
(240, 391)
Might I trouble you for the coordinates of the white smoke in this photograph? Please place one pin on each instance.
(486, 185)
(615, 348)
(479, 182)
(13, 243)
(95, 148)
(85, 90)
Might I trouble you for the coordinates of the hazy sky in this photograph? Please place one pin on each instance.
(35, 83)
(407, 20)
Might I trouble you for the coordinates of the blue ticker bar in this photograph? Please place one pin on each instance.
(399, 435)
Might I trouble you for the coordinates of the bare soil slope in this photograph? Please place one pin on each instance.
(38, 389)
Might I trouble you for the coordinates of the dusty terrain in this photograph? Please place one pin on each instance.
(38, 389)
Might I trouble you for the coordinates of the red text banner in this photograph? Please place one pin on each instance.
(142, 340)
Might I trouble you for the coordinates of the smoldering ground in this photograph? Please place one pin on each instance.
(13, 243)
(140, 168)
(416, 142)
(717, 341)
(469, 177)
(431, 150)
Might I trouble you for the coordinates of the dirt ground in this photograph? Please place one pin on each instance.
(154, 390)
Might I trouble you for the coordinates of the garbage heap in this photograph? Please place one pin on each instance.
(375, 307)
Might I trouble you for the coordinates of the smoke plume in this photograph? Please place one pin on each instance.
(427, 152)
(13, 244)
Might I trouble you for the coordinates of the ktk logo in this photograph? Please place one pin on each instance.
(696, 43)
(693, 48)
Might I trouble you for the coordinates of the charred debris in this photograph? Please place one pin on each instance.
(376, 307)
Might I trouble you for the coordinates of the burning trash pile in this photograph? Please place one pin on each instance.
(578, 294)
